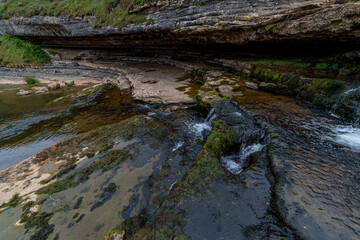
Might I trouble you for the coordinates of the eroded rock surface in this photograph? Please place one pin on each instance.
(211, 22)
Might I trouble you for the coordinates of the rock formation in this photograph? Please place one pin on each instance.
(175, 23)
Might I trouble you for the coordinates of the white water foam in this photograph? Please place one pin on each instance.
(351, 90)
(234, 163)
(198, 129)
(237, 114)
(177, 146)
(348, 136)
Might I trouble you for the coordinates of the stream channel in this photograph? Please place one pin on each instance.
(257, 166)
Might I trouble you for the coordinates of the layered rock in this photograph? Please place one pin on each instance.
(202, 23)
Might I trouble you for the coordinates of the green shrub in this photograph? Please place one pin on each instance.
(30, 80)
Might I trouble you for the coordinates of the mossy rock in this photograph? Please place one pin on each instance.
(348, 106)
(260, 74)
(324, 92)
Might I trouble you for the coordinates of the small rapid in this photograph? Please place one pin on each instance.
(348, 136)
(235, 163)
(201, 129)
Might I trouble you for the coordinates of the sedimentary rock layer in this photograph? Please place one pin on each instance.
(211, 22)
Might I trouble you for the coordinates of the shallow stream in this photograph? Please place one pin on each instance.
(289, 172)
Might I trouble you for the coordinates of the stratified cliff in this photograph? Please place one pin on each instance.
(213, 22)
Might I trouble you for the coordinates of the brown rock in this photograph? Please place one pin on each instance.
(53, 86)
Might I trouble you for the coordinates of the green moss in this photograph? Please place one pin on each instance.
(105, 163)
(278, 62)
(264, 75)
(36, 222)
(322, 91)
(53, 53)
(207, 166)
(18, 53)
(327, 66)
(162, 231)
(220, 138)
(197, 76)
(70, 165)
(13, 202)
(321, 66)
(350, 66)
(348, 106)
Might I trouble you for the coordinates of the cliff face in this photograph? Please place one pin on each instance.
(225, 22)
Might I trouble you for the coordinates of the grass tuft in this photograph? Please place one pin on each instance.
(19, 53)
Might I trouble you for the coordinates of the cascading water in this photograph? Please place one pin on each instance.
(235, 163)
(200, 129)
(348, 136)
(348, 106)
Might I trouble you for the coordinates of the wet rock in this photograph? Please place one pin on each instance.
(115, 236)
(53, 86)
(23, 92)
(213, 83)
(348, 106)
(34, 208)
(214, 74)
(270, 87)
(224, 90)
(251, 85)
(172, 108)
(38, 90)
(69, 83)
(345, 72)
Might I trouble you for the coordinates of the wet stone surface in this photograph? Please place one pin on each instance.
(316, 191)
(238, 164)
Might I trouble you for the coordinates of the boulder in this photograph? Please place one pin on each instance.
(53, 86)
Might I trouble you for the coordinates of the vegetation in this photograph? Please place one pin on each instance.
(13, 202)
(36, 222)
(19, 53)
(322, 92)
(106, 12)
(264, 75)
(107, 162)
(207, 166)
(30, 80)
(53, 53)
